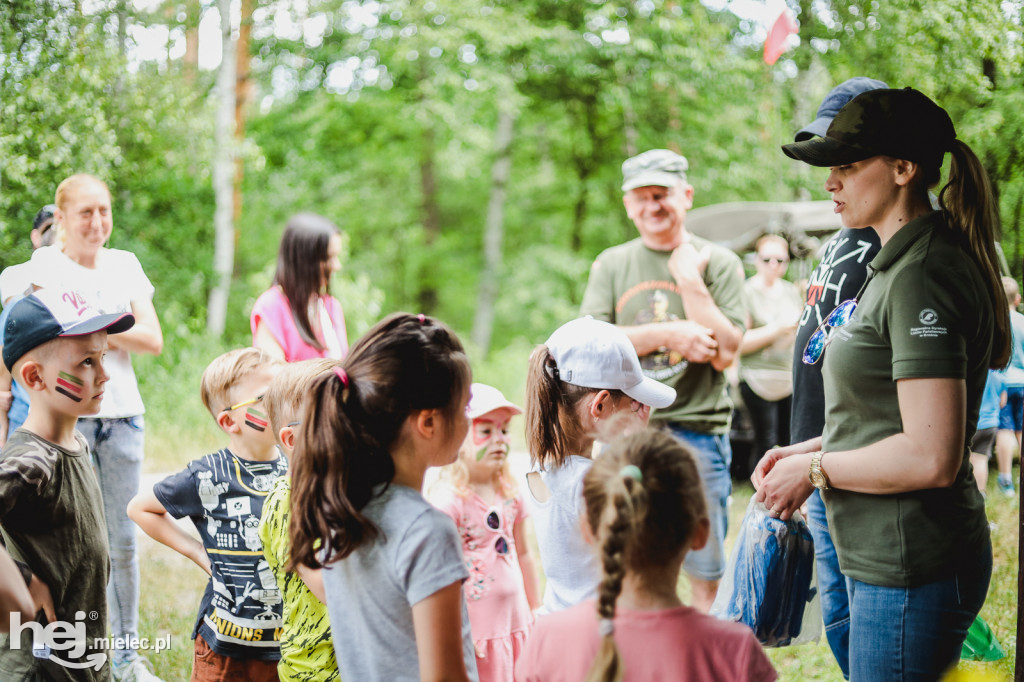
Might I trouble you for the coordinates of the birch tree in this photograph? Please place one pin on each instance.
(223, 178)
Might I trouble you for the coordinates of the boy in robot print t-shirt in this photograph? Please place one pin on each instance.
(223, 494)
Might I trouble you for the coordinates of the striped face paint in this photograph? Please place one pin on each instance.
(255, 419)
(69, 385)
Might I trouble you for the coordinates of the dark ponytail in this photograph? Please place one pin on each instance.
(971, 212)
(352, 421)
(553, 429)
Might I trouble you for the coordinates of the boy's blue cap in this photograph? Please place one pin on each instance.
(47, 314)
(835, 100)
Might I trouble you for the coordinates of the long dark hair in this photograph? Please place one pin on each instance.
(644, 500)
(971, 212)
(352, 422)
(300, 267)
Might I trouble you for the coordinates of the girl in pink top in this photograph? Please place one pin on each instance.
(502, 587)
(297, 318)
(645, 506)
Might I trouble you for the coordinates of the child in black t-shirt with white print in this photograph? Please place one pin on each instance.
(223, 493)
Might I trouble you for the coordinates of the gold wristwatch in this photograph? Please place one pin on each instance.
(819, 479)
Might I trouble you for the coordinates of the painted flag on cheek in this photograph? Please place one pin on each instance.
(256, 420)
(775, 44)
(70, 386)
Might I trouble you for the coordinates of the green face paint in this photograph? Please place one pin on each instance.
(481, 453)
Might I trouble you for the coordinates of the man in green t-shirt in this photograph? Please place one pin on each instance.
(680, 300)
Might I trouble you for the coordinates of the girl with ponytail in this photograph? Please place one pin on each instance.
(393, 567)
(905, 364)
(585, 380)
(645, 509)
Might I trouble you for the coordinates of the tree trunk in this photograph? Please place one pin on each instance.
(224, 241)
(494, 230)
(426, 295)
(193, 13)
(122, 27)
(583, 157)
(243, 93)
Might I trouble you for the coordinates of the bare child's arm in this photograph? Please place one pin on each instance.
(313, 578)
(437, 622)
(151, 516)
(6, 399)
(526, 564)
(14, 594)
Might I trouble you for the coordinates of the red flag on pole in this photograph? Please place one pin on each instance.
(775, 44)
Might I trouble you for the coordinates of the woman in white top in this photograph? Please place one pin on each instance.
(111, 280)
(766, 365)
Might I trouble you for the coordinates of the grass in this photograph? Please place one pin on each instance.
(180, 429)
(173, 585)
(815, 661)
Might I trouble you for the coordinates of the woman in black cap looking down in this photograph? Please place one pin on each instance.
(904, 368)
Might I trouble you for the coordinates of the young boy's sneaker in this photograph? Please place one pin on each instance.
(1006, 486)
(135, 670)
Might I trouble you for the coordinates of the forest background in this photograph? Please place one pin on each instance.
(470, 150)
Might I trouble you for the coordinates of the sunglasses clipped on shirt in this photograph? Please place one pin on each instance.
(494, 523)
(821, 337)
(839, 317)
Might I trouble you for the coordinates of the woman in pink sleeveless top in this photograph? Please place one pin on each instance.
(297, 318)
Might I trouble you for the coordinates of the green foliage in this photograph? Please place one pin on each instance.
(350, 123)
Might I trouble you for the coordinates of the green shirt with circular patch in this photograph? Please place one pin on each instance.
(925, 312)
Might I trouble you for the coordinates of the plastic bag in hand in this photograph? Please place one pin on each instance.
(769, 581)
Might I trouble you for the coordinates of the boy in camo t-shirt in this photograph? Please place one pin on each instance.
(51, 512)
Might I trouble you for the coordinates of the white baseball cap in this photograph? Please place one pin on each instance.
(595, 354)
(484, 399)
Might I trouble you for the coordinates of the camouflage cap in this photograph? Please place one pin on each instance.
(904, 124)
(658, 167)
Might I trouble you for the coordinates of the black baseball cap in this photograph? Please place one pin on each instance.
(44, 216)
(904, 124)
(47, 314)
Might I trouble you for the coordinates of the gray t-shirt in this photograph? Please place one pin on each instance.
(371, 592)
(571, 566)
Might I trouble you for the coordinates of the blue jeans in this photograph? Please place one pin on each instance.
(915, 633)
(117, 450)
(835, 604)
(1011, 415)
(713, 458)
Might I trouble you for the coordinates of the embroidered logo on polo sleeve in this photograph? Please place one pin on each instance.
(929, 318)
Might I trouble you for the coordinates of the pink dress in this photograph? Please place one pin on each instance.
(499, 614)
(272, 309)
(667, 644)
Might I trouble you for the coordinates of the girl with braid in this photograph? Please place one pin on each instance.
(645, 508)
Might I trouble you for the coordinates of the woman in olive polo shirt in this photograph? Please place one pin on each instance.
(904, 370)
